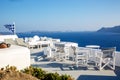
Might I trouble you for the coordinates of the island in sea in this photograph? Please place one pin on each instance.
(115, 29)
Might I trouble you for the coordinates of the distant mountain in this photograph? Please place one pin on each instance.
(115, 29)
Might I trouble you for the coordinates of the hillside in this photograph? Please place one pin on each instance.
(115, 29)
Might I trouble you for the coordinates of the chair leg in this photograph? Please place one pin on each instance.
(114, 64)
(76, 63)
(100, 64)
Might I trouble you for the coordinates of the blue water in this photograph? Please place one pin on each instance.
(82, 38)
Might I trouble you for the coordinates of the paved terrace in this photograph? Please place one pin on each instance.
(66, 67)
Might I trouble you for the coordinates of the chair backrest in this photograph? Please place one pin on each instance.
(10, 41)
(109, 52)
(60, 49)
(73, 50)
(66, 50)
(82, 52)
(48, 52)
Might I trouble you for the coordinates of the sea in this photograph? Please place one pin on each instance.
(103, 39)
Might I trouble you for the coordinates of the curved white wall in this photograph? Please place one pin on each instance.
(15, 56)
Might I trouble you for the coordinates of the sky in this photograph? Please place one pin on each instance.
(59, 15)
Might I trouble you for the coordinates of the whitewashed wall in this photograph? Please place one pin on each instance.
(15, 56)
(2, 37)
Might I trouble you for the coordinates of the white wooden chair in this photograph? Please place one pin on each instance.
(48, 52)
(63, 53)
(108, 58)
(94, 54)
(52, 53)
(81, 57)
(66, 53)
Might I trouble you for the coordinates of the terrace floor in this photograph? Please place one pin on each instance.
(66, 67)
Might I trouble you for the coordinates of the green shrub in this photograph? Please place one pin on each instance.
(66, 77)
(36, 72)
(42, 75)
(9, 69)
(52, 76)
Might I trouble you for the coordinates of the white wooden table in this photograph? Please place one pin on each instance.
(93, 46)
